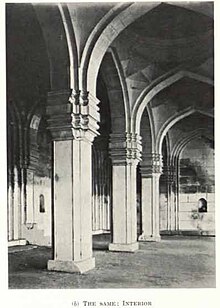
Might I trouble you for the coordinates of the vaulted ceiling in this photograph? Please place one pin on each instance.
(157, 40)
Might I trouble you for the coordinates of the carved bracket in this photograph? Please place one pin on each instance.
(72, 115)
(152, 164)
(125, 148)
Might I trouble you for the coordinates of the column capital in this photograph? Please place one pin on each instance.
(170, 172)
(151, 165)
(72, 115)
(125, 148)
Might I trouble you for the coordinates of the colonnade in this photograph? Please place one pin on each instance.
(76, 195)
(94, 188)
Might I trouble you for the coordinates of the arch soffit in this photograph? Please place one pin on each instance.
(123, 87)
(157, 86)
(72, 47)
(152, 129)
(121, 100)
(167, 138)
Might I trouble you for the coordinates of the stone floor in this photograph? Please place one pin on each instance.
(175, 262)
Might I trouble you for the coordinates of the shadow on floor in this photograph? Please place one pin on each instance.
(101, 241)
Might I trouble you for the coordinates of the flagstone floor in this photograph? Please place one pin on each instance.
(175, 262)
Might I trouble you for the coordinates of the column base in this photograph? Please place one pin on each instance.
(71, 266)
(148, 238)
(20, 242)
(123, 247)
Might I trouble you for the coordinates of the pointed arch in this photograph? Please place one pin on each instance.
(156, 87)
(109, 74)
(172, 121)
(147, 137)
(180, 146)
(109, 27)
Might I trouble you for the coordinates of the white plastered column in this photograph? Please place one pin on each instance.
(150, 208)
(125, 154)
(72, 177)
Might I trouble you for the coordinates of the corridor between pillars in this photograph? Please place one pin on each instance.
(150, 169)
(125, 155)
(73, 127)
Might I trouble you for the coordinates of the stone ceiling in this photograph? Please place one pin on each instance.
(162, 39)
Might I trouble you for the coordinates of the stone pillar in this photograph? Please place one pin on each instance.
(30, 215)
(125, 155)
(73, 125)
(150, 207)
(171, 175)
(17, 206)
(23, 196)
(15, 209)
(10, 206)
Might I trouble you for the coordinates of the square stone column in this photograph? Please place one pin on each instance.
(171, 177)
(72, 207)
(150, 208)
(72, 181)
(125, 154)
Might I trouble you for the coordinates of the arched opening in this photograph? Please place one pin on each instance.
(190, 174)
(41, 204)
(202, 205)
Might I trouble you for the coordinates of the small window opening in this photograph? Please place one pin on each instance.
(42, 204)
(202, 206)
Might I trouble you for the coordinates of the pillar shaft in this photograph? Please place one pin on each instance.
(15, 208)
(171, 204)
(150, 207)
(72, 203)
(10, 208)
(125, 151)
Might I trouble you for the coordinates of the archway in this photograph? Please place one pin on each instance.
(182, 175)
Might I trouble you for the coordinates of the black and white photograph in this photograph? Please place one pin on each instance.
(110, 148)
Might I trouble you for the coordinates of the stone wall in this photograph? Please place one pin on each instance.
(197, 181)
